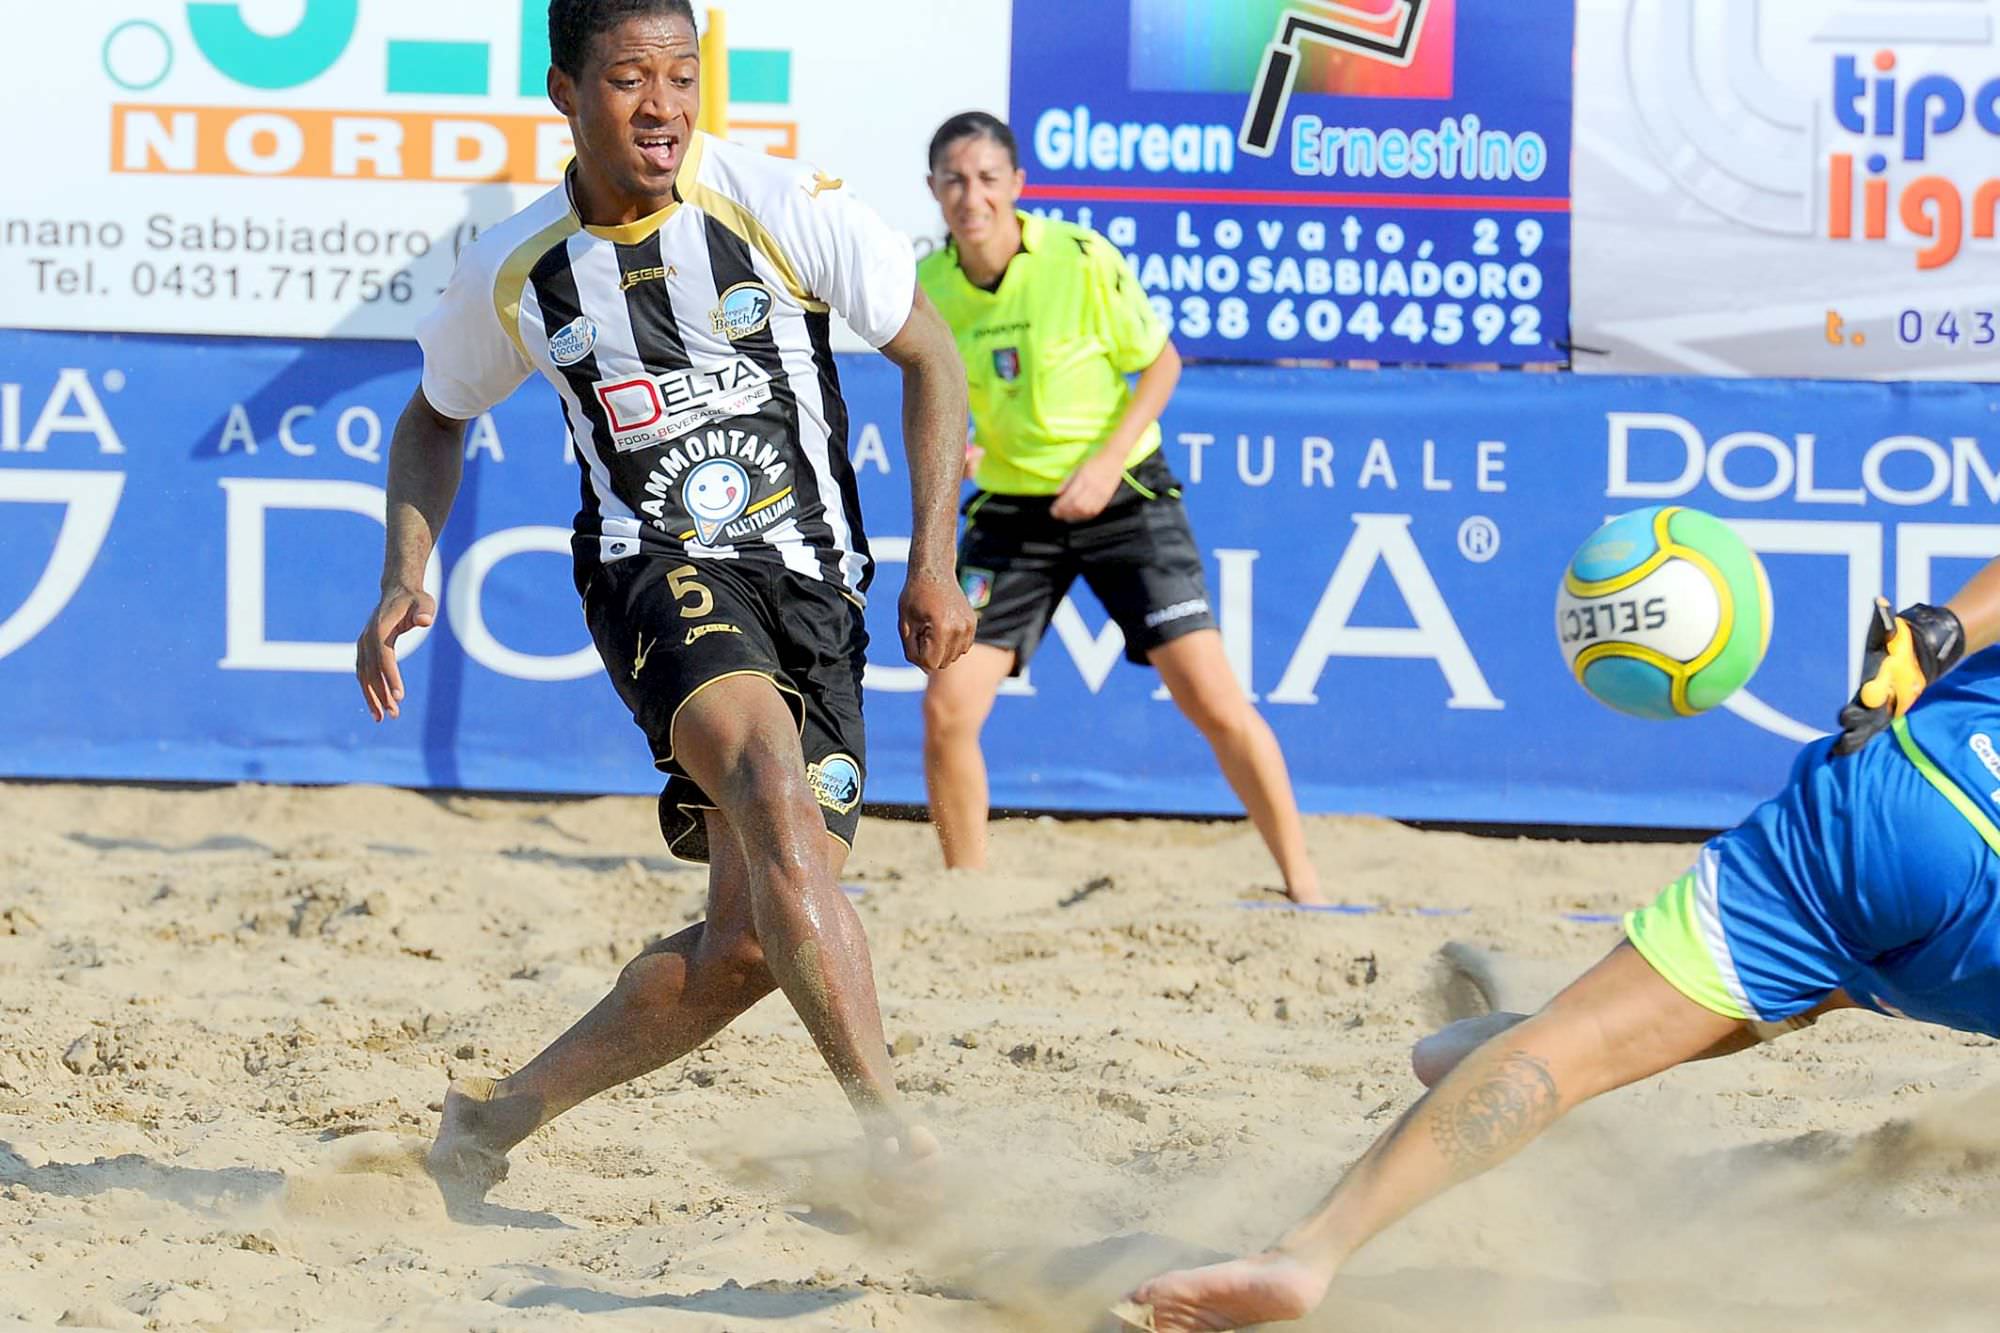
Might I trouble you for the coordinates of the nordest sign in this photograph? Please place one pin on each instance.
(376, 140)
(328, 49)
(198, 524)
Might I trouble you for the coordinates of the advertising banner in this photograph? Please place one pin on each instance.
(311, 168)
(1348, 179)
(190, 537)
(1788, 189)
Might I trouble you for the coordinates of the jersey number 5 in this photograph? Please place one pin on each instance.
(696, 600)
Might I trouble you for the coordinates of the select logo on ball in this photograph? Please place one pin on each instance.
(1664, 612)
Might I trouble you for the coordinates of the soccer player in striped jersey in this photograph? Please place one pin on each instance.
(677, 291)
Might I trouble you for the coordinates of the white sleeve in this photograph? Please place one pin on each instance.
(471, 363)
(851, 259)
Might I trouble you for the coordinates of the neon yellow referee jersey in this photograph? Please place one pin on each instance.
(1046, 355)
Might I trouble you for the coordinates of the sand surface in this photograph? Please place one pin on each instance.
(226, 1017)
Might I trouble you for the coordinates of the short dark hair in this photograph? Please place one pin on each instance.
(575, 24)
(974, 124)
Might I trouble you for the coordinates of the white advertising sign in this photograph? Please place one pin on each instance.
(1788, 188)
(311, 168)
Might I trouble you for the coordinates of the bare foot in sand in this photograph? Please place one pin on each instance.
(903, 1171)
(1304, 889)
(466, 1159)
(1265, 1288)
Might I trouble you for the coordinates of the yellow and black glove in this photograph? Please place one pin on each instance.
(1904, 653)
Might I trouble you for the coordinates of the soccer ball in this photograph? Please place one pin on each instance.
(1664, 612)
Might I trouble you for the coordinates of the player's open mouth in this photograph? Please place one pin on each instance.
(661, 149)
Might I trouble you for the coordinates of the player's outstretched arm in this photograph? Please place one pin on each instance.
(1619, 1023)
(426, 456)
(1907, 650)
(935, 619)
(1977, 606)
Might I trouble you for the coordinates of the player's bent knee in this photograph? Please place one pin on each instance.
(738, 952)
(762, 782)
(650, 981)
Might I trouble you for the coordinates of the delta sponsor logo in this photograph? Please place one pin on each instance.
(704, 490)
(1900, 121)
(652, 409)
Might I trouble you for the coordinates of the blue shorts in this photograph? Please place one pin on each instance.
(1861, 875)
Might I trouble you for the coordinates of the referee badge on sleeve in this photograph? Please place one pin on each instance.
(1007, 363)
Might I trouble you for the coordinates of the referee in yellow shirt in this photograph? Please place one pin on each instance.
(1050, 320)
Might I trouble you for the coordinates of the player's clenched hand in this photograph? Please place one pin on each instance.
(1903, 654)
(400, 611)
(936, 621)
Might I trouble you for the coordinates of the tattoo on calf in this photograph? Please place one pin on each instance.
(1508, 1105)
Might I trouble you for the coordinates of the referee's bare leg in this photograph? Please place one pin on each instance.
(957, 701)
(777, 918)
(1197, 674)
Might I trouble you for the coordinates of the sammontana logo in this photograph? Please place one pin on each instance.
(653, 409)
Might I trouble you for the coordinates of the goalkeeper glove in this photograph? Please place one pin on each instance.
(1903, 654)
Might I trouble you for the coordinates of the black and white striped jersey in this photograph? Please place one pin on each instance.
(691, 353)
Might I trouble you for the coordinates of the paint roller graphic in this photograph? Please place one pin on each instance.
(1334, 24)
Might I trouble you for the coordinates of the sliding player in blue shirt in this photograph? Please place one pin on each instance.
(1871, 881)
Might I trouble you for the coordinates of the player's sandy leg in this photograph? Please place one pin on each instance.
(1618, 1023)
(738, 741)
(957, 701)
(1440, 1053)
(1197, 674)
(675, 995)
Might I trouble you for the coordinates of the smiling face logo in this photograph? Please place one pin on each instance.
(716, 493)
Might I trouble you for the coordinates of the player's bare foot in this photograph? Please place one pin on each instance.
(1263, 1289)
(903, 1168)
(1306, 893)
(465, 1159)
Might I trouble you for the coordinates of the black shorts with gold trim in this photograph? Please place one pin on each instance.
(668, 627)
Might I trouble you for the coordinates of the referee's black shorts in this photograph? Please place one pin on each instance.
(1015, 563)
(667, 627)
